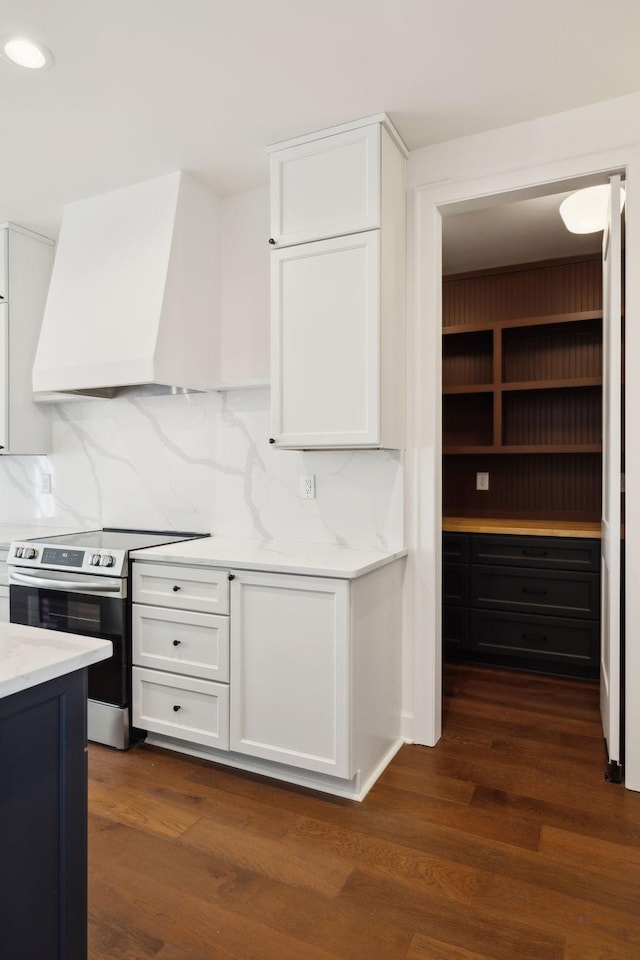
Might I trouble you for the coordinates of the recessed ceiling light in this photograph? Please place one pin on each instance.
(26, 53)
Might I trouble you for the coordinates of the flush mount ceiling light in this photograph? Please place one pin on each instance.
(586, 210)
(26, 53)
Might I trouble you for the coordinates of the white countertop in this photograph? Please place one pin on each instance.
(33, 531)
(30, 656)
(311, 559)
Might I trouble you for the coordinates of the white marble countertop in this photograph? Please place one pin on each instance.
(311, 559)
(32, 531)
(30, 656)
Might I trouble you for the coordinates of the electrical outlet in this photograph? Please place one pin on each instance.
(482, 481)
(45, 483)
(307, 486)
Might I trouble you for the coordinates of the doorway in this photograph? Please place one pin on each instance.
(480, 412)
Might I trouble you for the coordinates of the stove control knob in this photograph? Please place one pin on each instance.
(95, 560)
(107, 561)
(30, 553)
(19, 551)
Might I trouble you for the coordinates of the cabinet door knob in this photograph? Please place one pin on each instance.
(272, 440)
(177, 643)
(175, 588)
(272, 241)
(176, 707)
(231, 576)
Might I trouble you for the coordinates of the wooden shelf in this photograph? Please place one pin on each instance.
(524, 448)
(543, 321)
(470, 388)
(542, 528)
(522, 395)
(564, 384)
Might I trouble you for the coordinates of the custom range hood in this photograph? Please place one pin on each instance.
(134, 295)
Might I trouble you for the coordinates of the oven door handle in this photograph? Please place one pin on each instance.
(78, 586)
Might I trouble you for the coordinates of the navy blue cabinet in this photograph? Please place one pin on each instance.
(43, 821)
(523, 601)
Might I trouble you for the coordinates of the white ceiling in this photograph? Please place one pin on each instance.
(518, 232)
(143, 87)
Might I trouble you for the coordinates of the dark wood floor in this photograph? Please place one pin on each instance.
(503, 842)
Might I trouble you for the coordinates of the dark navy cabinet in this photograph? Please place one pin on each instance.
(523, 601)
(43, 821)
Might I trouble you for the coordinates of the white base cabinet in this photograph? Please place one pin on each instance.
(314, 692)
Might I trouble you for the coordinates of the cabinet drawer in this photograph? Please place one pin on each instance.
(455, 546)
(536, 591)
(195, 644)
(455, 583)
(181, 587)
(547, 639)
(455, 628)
(552, 553)
(202, 714)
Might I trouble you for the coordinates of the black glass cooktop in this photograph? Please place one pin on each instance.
(116, 539)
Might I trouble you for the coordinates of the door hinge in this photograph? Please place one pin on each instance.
(613, 773)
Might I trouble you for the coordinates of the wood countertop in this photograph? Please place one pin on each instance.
(538, 528)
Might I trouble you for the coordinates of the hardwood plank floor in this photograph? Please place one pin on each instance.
(502, 843)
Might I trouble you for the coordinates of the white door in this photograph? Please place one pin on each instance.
(326, 343)
(327, 187)
(611, 457)
(290, 676)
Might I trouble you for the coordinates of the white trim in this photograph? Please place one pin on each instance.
(424, 431)
(380, 118)
(351, 789)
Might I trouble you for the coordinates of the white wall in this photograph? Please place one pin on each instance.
(605, 136)
(203, 461)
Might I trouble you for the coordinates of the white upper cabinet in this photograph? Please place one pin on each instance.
(326, 187)
(25, 269)
(3, 266)
(337, 289)
(325, 387)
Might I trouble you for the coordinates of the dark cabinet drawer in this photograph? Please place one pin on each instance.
(548, 639)
(455, 583)
(553, 592)
(552, 553)
(455, 628)
(455, 547)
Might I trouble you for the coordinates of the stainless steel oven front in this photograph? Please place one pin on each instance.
(94, 606)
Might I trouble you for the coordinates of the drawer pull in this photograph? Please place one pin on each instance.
(536, 637)
(534, 552)
(535, 591)
(175, 588)
(176, 707)
(177, 643)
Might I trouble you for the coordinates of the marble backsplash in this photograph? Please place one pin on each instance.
(201, 462)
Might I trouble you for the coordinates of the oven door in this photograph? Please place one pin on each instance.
(75, 603)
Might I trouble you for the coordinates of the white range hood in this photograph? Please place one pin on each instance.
(134, 298)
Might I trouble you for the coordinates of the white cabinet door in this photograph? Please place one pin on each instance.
(4, 376)
(4, 273)
(326, 343)
(326, 187)
(290, 671)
